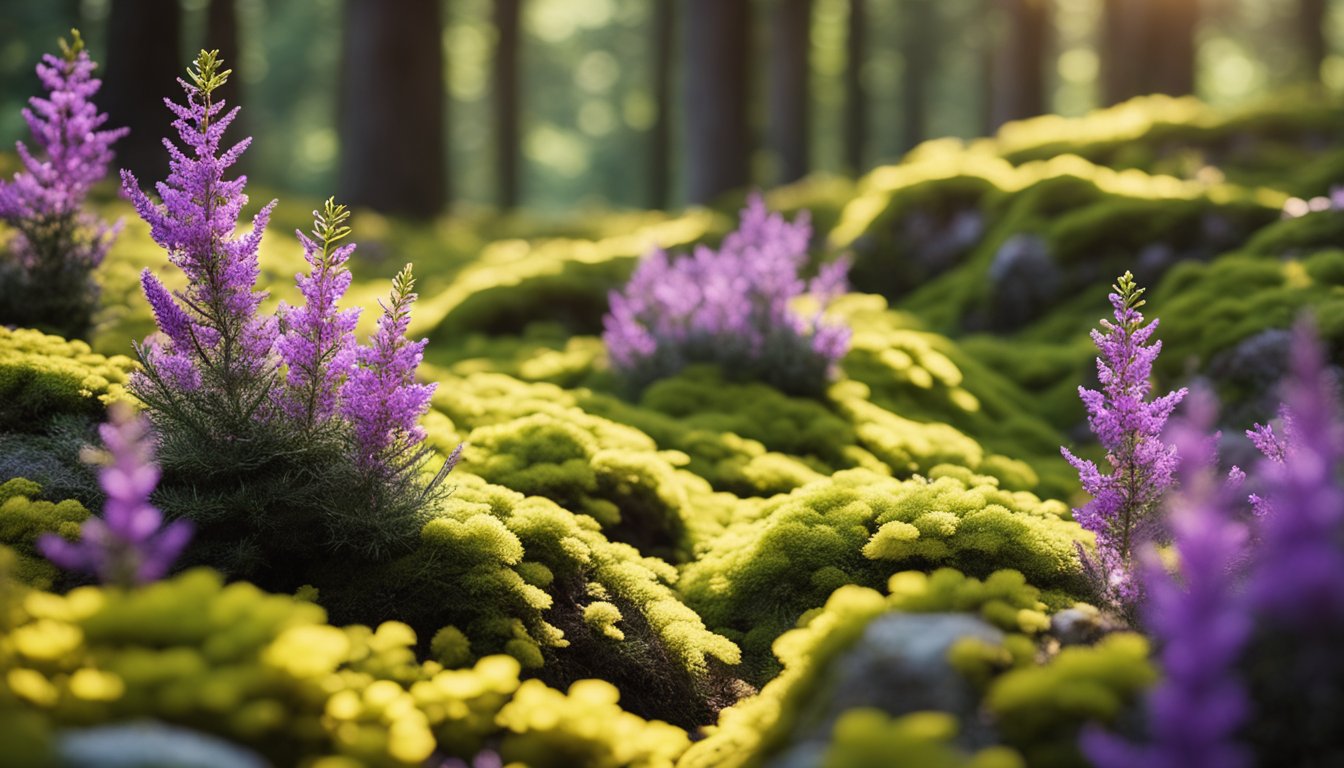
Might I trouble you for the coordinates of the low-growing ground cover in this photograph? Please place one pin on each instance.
(685, 567)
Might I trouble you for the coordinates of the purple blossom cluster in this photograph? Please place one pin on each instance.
(1123, 512)
(317, 340)
(57, 243)
(381, 399)
(734, 307)
(1196, 710)
(1250, 620)
(213, 339)
(129, 544)
(215, 332)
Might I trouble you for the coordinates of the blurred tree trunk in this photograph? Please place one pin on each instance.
(1148, 46)
(507, 15)
(660, 136)
(856, 103)
(1311, 19)
(1170, 57)
(717, 39)
(790, 86)
(919, 51)
(1020, 59)
(392, 105)
(221, 33)
(143, 63)
(1121, 49)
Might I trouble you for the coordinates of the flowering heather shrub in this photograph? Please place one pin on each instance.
(1252, 627)
(46, 277)
(1123, 509)
(129, 544)
(280, 436)
(732, 307)
(1196, 711)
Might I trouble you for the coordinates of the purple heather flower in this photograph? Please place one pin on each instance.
(1301, 566)
(381, 398)
(317, 342)
(71, 152)
(731, 306)
(129, 544)
(1122, 512)
(66, 128)
(1199, 622)
(195, 223)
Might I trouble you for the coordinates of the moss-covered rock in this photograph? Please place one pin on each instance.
(43, 376)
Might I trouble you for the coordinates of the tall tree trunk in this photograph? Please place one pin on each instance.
(790, 86)
(392, 107)
(856, 99)
(1171, 60)
(143, 64)
(1311, 19)
(507, 15)
(919, 41)
(1148, 46)
(660, 136)
(717, 39)
(1020, 61)
(1122, 49)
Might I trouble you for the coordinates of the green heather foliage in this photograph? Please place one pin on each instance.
(42, 376)
(266, 671)
(24, 517)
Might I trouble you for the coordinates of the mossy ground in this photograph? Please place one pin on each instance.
(709, 538)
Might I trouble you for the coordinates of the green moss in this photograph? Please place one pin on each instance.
(756, 579)
(486, 552)
(267, 672)
(44, 376)
(868, 738)
(1039, 710)
(23, 519)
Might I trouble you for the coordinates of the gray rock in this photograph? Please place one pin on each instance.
(149, 743)
(898, 666)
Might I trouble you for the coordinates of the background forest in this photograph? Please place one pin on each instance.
(580, 104)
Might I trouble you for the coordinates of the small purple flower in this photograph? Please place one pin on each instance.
(381, 398)
(129, 544)
(1123, 509)
(732, 306)
(316, 341)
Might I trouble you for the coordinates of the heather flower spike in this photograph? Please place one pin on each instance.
(129, 544)
(1198, 620)
(1124, 505)
(381, 398)
(1301, 565)
(316, 341)
(213, 330)
(57, 244)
